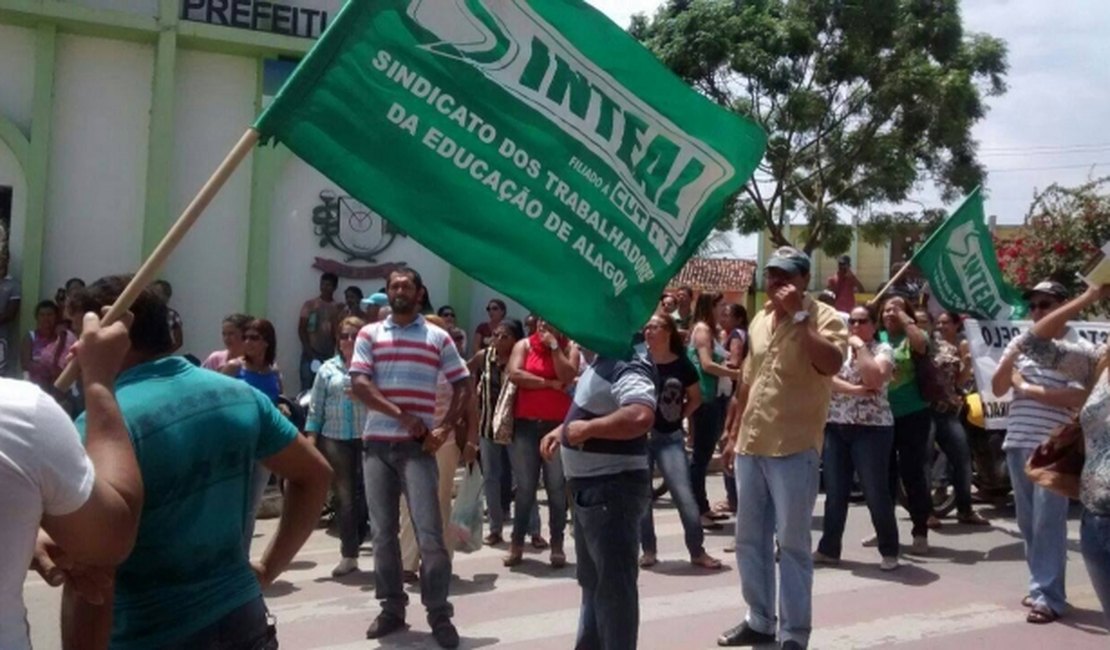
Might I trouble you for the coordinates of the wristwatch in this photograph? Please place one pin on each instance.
(554, 345)
(801, 316)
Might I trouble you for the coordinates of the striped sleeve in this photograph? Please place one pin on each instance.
(450, 362)
(362, 361)
(635, 384)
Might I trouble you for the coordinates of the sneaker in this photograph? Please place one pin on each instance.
(870, 542)
(383, 625)
(827, 560)
(445, 634)
(920, 546)
(888, 564)
(742, 635)
(345, 566)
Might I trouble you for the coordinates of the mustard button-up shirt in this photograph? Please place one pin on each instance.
(788, 402)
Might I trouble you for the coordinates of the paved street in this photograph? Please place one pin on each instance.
(964, 595)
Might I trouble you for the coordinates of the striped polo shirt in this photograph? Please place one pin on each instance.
(404, 362)
(1030, 422)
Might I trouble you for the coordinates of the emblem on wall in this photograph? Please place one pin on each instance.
(348, 226)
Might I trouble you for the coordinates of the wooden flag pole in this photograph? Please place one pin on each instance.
(886, 287)
(154, 264)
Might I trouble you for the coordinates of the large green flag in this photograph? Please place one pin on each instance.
(960, 264)
(533, 144)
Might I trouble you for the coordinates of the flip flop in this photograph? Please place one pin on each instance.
(1041, 615)
(706, 562)
(1027, 602)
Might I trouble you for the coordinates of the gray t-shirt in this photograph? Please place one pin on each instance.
(9, 291)
(606, 386)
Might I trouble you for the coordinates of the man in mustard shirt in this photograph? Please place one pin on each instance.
(797, 344)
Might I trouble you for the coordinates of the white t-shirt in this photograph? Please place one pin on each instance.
(43, 470)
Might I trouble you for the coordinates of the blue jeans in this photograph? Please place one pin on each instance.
(607, 515)
(668, 451)
(1042, 517)
(952, 439)
(345, 458)
(776, 498)
(908, 460)
(495, 469)
(391, 469)
(707, 422)
(864, 450)
(1094, 541)
(244, 628)
(260, 478)
(526, 461)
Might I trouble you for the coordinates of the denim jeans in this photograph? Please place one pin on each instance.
(1094, 541)
(260, 478)
(496, 475)
(864, 450)
(776, 498)
(244, 628)
(345, 457)
(1042, 517)
(607, 515)
(668, 451)
(908, 460)
(391, 469)
(707, 422)
(952, 439)
(526, 461)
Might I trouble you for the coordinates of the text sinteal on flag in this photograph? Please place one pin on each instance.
(532, 144)
(960, 264)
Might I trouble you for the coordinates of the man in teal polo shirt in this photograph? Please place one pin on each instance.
(197, 434)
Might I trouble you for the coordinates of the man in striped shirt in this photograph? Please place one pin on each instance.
(394, 370)
(1044, 398)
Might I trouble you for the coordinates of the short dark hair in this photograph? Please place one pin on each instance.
(78, 281)
(500, 303)
(328, 275)
(740, 313)
(166, 287)
(412, 273)
(513, 326)
(355, 290)
(687, 289)
(445, 308)
(265, 329)
(48, 304)
(150, 332)
(240, 321)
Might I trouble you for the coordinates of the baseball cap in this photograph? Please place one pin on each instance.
(789, 259)
(844, 260)
(376, 300)
(1049, 287)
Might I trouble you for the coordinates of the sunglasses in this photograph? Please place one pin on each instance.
(352, 336)
(1042, 305)
(859, 321)
(252, 337)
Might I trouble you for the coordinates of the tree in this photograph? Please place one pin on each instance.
(862, 100)
(1064, 229)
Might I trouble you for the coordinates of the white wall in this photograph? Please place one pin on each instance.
(17, 70)
(214, 104)
(293, 247)
(96, 185)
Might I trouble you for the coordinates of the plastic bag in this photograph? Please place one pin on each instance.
(466, 515)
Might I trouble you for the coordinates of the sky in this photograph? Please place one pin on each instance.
(1052, 124)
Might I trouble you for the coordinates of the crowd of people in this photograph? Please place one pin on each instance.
(143, 506)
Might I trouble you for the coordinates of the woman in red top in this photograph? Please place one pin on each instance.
(543, 367)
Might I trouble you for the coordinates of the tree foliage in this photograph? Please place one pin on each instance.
(1064, 229)
(861, 99)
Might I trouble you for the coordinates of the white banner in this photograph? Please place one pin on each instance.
(989, 338)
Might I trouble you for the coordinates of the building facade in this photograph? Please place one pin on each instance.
(113, 113)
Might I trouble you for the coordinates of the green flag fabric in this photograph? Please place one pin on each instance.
(533, 144)
(960, 264)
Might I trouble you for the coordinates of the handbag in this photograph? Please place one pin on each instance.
(1057, 463)
(503, 420)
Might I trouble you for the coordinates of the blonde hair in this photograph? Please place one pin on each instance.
(436, 320)
(350, 321)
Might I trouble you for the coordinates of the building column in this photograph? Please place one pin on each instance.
(159, 161)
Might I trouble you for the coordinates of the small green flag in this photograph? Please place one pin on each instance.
(960, 264)
(532, 144)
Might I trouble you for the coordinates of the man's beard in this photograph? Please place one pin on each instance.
(402, 306)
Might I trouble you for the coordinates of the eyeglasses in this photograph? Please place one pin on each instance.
(859, 321)
(350, 336)
(252, 337)
(1042, 305)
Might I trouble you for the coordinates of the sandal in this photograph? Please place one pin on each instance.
(648, 560)
(515, 556)
(706, 561)
(1041, 615)
(1027, 602)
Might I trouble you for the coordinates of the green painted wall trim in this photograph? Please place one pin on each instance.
(75, 18)
(20, 146)
(460, 295)
(267, 164)
(37, 170)
(159, 158)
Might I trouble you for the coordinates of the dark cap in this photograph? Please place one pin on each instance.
(844, 260)
(789, 259)
(1048, 287)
